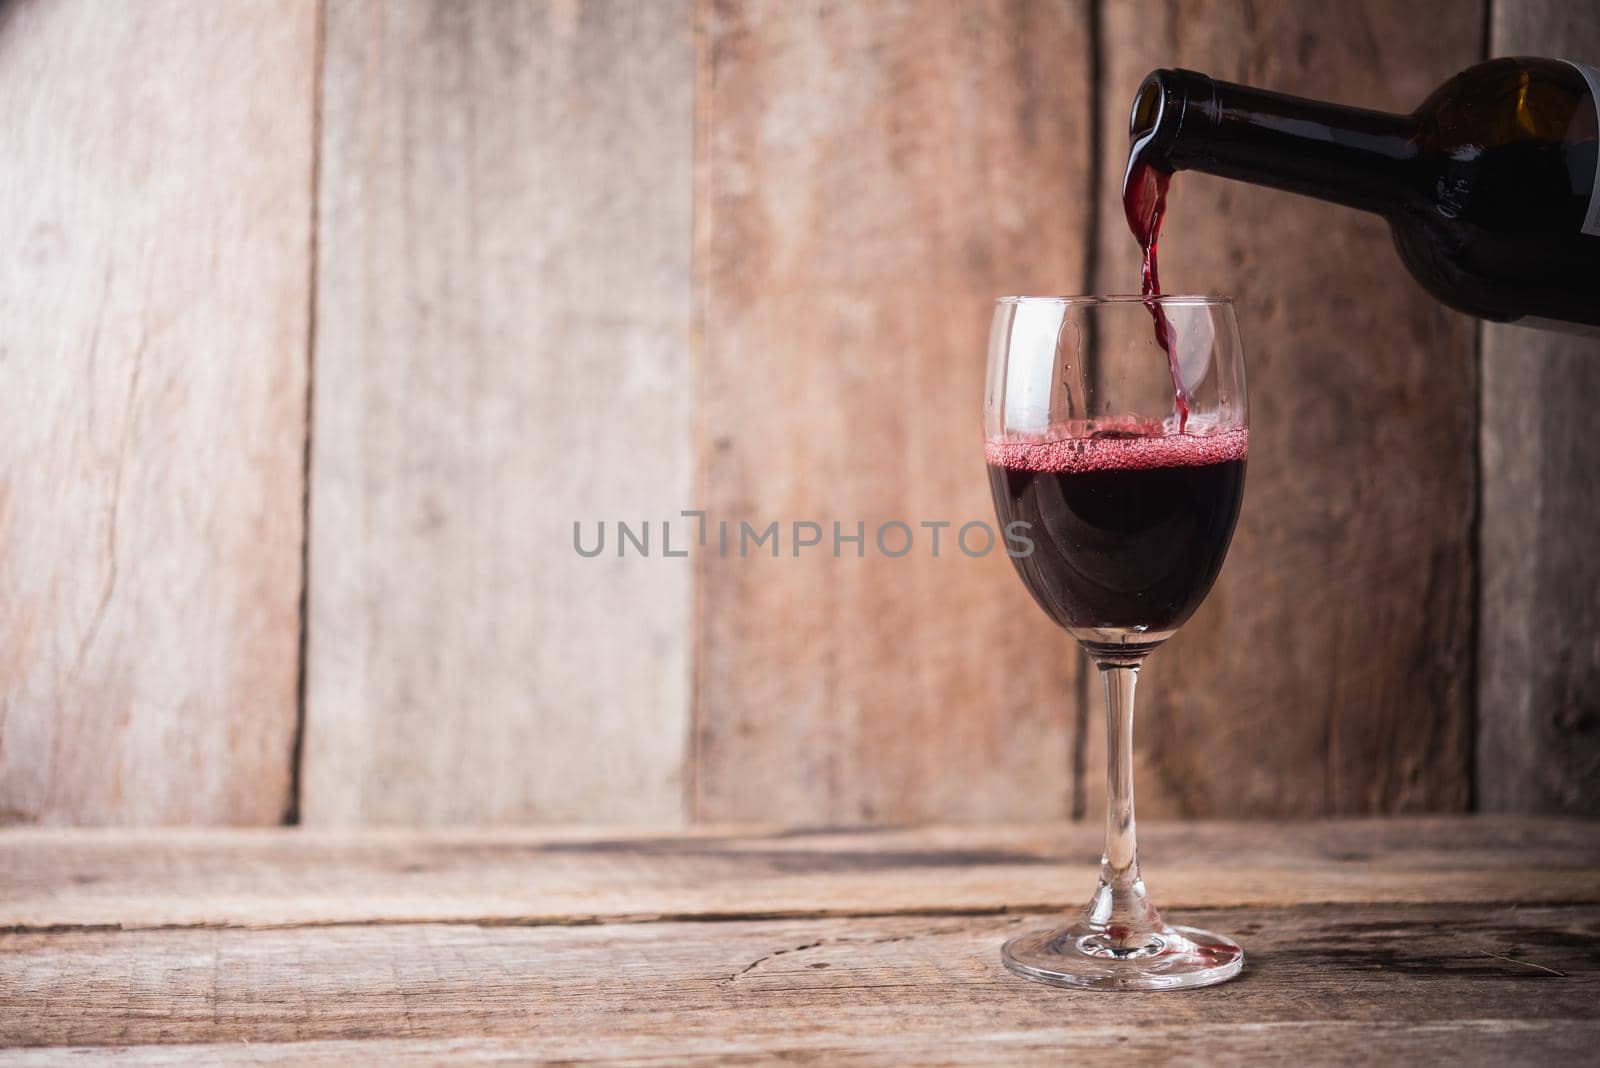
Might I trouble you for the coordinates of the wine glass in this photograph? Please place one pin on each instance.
(1126, 464)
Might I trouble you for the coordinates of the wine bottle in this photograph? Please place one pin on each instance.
(1491, 187)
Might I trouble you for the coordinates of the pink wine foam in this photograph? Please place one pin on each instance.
(1143, 453)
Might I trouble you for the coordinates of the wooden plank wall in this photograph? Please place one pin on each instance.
(1539, 640)
(584, 260)
(872, 175)
(155, 202)
(502, 349)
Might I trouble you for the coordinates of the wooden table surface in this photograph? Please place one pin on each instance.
(1475, 940)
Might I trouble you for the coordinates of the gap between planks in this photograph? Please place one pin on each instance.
(769, 916)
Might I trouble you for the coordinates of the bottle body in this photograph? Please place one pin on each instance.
(1490, 186)
(1509, 157)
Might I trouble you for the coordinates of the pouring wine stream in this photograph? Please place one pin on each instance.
(1144, 201)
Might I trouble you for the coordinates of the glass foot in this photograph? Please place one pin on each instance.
(1086, 956)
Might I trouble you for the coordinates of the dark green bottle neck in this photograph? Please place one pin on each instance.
(1187, 121)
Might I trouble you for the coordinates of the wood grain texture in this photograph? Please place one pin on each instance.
(879, 987)
(157, 879)
(155, 197)
(502, 351)
(1330, 669)
(1539, 636)
(1490, 1041)
(871, 176)
(1363, 981)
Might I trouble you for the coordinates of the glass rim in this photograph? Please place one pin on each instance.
(1166, 299)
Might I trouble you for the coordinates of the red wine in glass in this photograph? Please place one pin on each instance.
(1129, 530)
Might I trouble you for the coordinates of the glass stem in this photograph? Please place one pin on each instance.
(1122, 847)
(1120, 909)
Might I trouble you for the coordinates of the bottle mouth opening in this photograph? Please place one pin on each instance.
(1146, 114)
(1168, 122)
